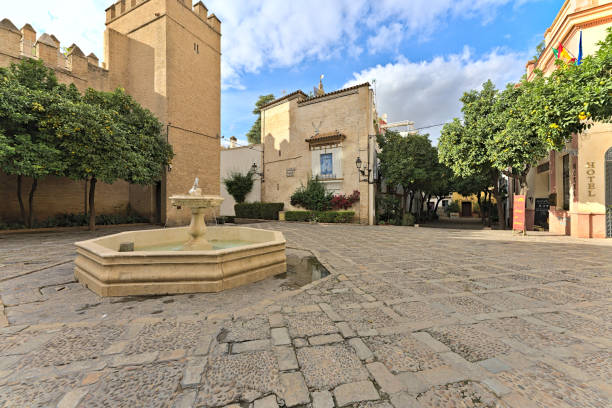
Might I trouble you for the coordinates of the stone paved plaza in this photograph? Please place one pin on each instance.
(409, 317)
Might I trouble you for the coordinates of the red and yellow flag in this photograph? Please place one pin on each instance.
(562, 53)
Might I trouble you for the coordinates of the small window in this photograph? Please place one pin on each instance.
(327, 167)
(196, 48)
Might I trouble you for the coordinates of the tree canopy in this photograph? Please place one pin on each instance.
(254, 135)
(51, 129)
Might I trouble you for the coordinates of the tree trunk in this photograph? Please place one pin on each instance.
(85, 198)
(481, 209)
(404, 199)
(411, 201)
(92, 208)
(31, 202)
(437, 204)
(500, 206)
(21, 206)
(489, 206)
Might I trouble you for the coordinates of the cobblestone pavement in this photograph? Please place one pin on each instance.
(410, 317)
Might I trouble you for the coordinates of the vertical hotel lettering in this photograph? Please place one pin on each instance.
(590, 172)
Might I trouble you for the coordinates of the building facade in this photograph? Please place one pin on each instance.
(167, 55)
(240, 159)
(575, 183)
(320, 136)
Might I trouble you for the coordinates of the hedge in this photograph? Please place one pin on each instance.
(262, 211)
(320, 216)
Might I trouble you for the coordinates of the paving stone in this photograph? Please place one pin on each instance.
(413, 383)
(230, 377)
(267, 402)
(325, 367)
(387, 381)
(309, 324)
(186, 399)
(355, 392)
(402, 352)
(459, 394)
(280, 336)
(443, 375)
(363, 352)
(494, 365)
(73, 398)
(325, 339)
(253, 345)
(367, 319)
(300, 343)
(498, 388)
(286, 358)
(322, 399)
(134, 359)
(470, 342)
(330, 312)
(404, 400)
(295, 388)
(432, 343)
(193, 373)
(171, 355)
(276, 320)
(345, 330)
(151, 385)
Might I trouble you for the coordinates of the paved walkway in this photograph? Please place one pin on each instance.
(410, 317)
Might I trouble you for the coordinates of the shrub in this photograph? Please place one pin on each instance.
(408, 220)
(313, 196)
(239, 185)
(453, 207)
(321, 216)
(388, 209)
(263, 211)
(78, 220)
(344, 202)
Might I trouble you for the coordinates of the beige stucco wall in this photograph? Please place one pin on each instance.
(592, 147)
(285, 128)
(240, 160)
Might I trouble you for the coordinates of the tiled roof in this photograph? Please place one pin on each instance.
(326, 137)
(288, 96)
(334, 92)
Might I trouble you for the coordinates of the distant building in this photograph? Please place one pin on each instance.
(320, 136)
(167, 55)
(577, 181)
(240, 159)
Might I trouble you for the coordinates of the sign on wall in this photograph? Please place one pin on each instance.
(518, 216)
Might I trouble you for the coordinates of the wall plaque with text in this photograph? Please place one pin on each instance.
(290, 172)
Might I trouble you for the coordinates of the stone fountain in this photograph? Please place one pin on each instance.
(180, 260)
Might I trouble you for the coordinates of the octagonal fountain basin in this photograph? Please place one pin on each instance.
(162, 264)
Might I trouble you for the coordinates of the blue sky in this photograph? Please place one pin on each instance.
(423, 53)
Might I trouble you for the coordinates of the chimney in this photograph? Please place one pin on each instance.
(93, 60)
(201, 10)
(233, 142)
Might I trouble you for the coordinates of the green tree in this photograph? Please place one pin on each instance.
(239, 185)
(314, 196)
(466, 147)
(28, 91)
(407, 162)
(254, 135)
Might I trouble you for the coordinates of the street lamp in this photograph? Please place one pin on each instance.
(365, 171)
(254, 171)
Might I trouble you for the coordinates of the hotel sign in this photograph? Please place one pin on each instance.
(518, 215)
(590, 175)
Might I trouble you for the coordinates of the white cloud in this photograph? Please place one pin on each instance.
(428, 92)
(71, 22)
(273, 33)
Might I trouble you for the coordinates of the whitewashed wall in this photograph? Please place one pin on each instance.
(240, 159)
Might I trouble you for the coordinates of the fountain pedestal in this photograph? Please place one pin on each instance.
(197, 228)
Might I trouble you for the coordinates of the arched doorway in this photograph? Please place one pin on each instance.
(609, 193)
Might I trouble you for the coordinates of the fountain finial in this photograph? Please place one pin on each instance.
(195, 190)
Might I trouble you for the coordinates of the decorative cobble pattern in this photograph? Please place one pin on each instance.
(416, 311)
(229, 378)
(465, 304)
(546, 387)
(35, 392)
(576, 324)
(171, 335)
(530, 334)
(403, 353)
(152, 385)
(546, 295)
(367, 319)
(460, 395)
(309, 324)
(73, 344)
(325, 367)
(597, 364)
(244, 329)
(469, 342)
